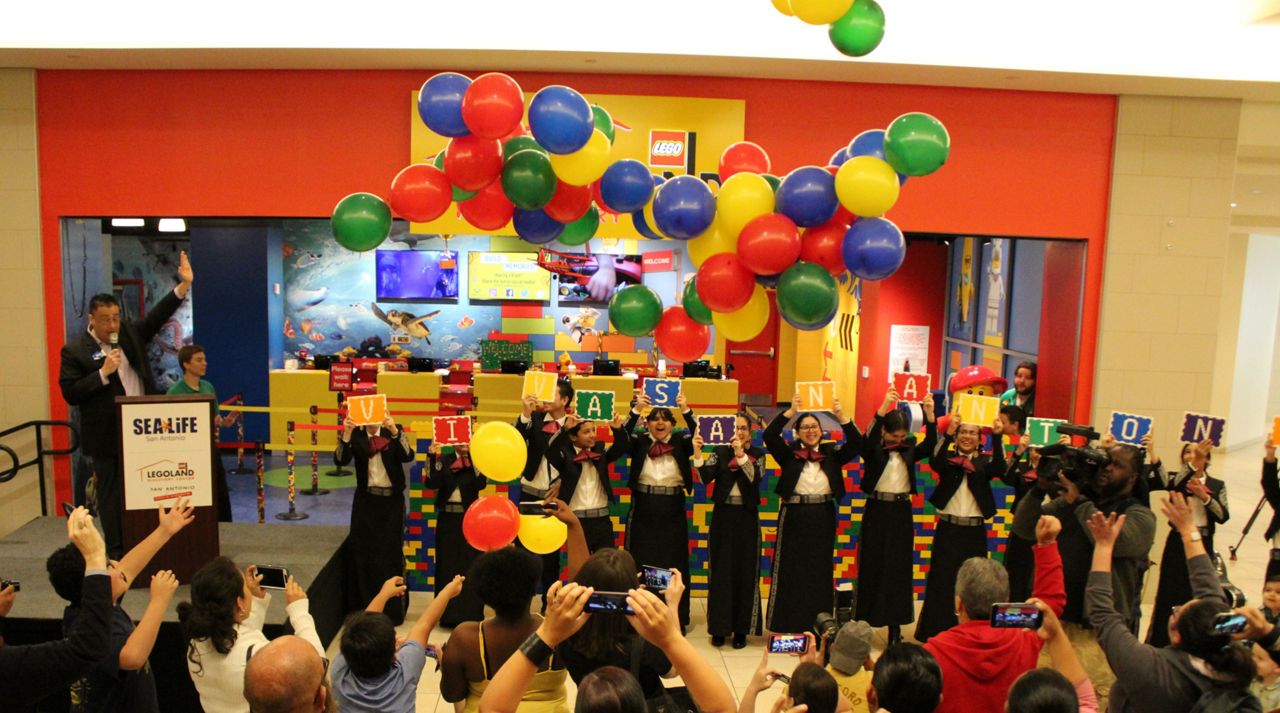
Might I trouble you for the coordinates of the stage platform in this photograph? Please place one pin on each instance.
(310, 553)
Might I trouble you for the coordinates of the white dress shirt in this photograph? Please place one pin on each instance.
(589, 494)
(378, 477)
(962, 503)
(813, 480)
(663, 471)
(894, 479)
(545, 473)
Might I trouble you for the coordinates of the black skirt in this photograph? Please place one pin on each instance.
(598, 532)
(733, 597)
(1020, 562)
(454, 556)
(886, 594)
(803, 576)
(658, 535)
(1174, 588)
(952, 545)
(374, 551)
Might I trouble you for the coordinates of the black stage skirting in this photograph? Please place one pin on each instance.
(310, 552)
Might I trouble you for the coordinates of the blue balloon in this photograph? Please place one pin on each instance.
(440, 104)
(684, 207)
(870, 143)
(838, 158)
(560, 119)
(808, 196)
(768, 281)
(873, 248)
(626, 186)
(642, 226)
(536, 226)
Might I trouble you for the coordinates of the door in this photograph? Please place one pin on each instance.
(754, 363)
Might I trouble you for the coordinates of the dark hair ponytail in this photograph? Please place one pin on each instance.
(211, 613)
(1229, 659)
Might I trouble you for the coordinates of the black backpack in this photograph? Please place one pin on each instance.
(1213, 697)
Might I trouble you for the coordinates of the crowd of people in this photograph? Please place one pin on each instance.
(1053, 627)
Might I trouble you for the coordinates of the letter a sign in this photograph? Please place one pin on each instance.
(1197, 427)
(594, 405)
(911, 388)
(716, 430)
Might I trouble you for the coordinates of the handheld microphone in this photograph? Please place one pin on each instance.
(115, 339)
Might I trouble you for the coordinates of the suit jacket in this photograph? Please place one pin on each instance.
(82, 385)
(1271, 489)
(875, 457)
(561, 455)
(537, 442)
(442, 478)
(717, 474)
(1216, 511)
(835, 456)
(360, 450)
(986, 468)
(683, 454)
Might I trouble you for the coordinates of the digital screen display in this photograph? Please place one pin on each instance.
(416, 274)
(506, 276)
(574, 284)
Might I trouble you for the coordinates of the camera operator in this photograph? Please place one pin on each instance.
(1091, 481)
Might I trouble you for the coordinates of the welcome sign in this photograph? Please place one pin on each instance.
(166, 452)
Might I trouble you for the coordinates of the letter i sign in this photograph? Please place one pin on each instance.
(451, 430)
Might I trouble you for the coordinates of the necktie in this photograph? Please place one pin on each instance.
(658, 450)
(379, 444)
(585, 456)
(963, 462)
(461, 463)
(811, 456)
(550, 427)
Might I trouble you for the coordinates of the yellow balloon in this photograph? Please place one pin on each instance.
(498, 451)
(747, 323)
(542, 535)
(586, 164)
(820, 12)
(867, 186)
(743, 196)
(783, 6)
(712, 242)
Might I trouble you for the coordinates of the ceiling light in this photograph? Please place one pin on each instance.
(178, 225)
(1233, 205)
(128, 222)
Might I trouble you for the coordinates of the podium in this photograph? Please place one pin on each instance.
(166, 453)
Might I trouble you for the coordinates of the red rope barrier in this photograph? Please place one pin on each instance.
(315, 427)
(247, 445)
(407, 400)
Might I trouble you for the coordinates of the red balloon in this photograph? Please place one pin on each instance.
(492, 106)
(569, 202)
(489, 209)
(724, 284)
(681, 338)
(832, 169)
(471, 163)
(491, 523)
(518, 131)
(600, 206)
(420, 193)
(743, 157)
(769, 244)
(824, 245)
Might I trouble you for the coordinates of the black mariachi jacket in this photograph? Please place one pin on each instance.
(536, 441)
(748, 478)
(1216, 511)
(360, 450)
(561, 457)
(835, 456)
(875, 457)
(442, 478)
(683, 443)
(986, 468)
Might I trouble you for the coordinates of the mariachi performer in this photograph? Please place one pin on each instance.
(660, 477)
(887, 541)
(1208, 499)
(733, 473)
(457, 485)
(964, 501)
(583, 464)
(809, 487)
(374, 548)
(541, 430)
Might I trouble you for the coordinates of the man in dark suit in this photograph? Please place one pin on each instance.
(108, 360)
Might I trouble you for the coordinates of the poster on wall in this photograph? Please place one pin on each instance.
(995, 293)
(166, 448)
(595, 278)
(962, 293)
(908, 348)
(506, 276)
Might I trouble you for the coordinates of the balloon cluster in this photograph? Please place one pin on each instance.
(855, 27)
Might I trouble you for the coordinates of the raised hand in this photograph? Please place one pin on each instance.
(682, 402)
(293, 591)
(185, 274)
(1106, 529)
(177, 517)
(253, 580)
(927, 406)
(1179, 512)
(653, 619)
(838, 411)
(393, 587)
(698, 443)
(890, 400)
(675, 590)
(738, 450)
(1050, 627)
(1269, 450)
(1047, 529)
(110, 362)
(795, 405)
(163, 585)
(764, 675)
(565, 614)
(954, 426)
(87, 539)
(348, 427)
(454, 587)
(1200, 454)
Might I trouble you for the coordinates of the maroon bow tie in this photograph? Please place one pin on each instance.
(658, 450)
(735, 465)
(550, 427)
(379, 444)
(895, 449)
(460, 463)
(811, 456)
(963, 462)
(586, 455)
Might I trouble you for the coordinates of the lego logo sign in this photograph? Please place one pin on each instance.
(667, 148)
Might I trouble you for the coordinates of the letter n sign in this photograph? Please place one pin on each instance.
(1128, 427)
(1197, 427)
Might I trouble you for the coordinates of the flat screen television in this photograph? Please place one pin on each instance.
(574, 286)
(506, 276)
(416, 274)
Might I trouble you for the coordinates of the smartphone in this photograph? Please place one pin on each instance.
(788, 644)
(67, 509)
(656, 578)
(273, 576)
(1016, 615)
(535, 508)
(1229, 623)
(614, 602)
(782, 677)
(17, 586)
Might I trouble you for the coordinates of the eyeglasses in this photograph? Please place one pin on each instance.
(810, 427)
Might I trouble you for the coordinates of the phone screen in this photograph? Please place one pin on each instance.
(656, 578)
(1016, 616)
(788, 644)
(273, 577)
(609, 602)
(1229, 623)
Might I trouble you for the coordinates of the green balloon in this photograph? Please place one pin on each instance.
(693, 305)
(603, 121)
(361, 221)
(528, 180)
(860, 30)
(916, 144)
(459, 195)
(519, 143)
(773, 180)
(582, 229)
(807, 296)
(635, 310)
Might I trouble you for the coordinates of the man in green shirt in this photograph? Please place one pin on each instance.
(194, 366)
(1023, 393)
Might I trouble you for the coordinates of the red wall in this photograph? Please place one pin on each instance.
(276, 143)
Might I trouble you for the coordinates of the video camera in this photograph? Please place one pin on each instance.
(1080, 464)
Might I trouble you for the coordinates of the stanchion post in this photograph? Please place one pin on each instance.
(339, 470)
(262, 491)
(315, 459)
(292, 513)
(240, 469)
